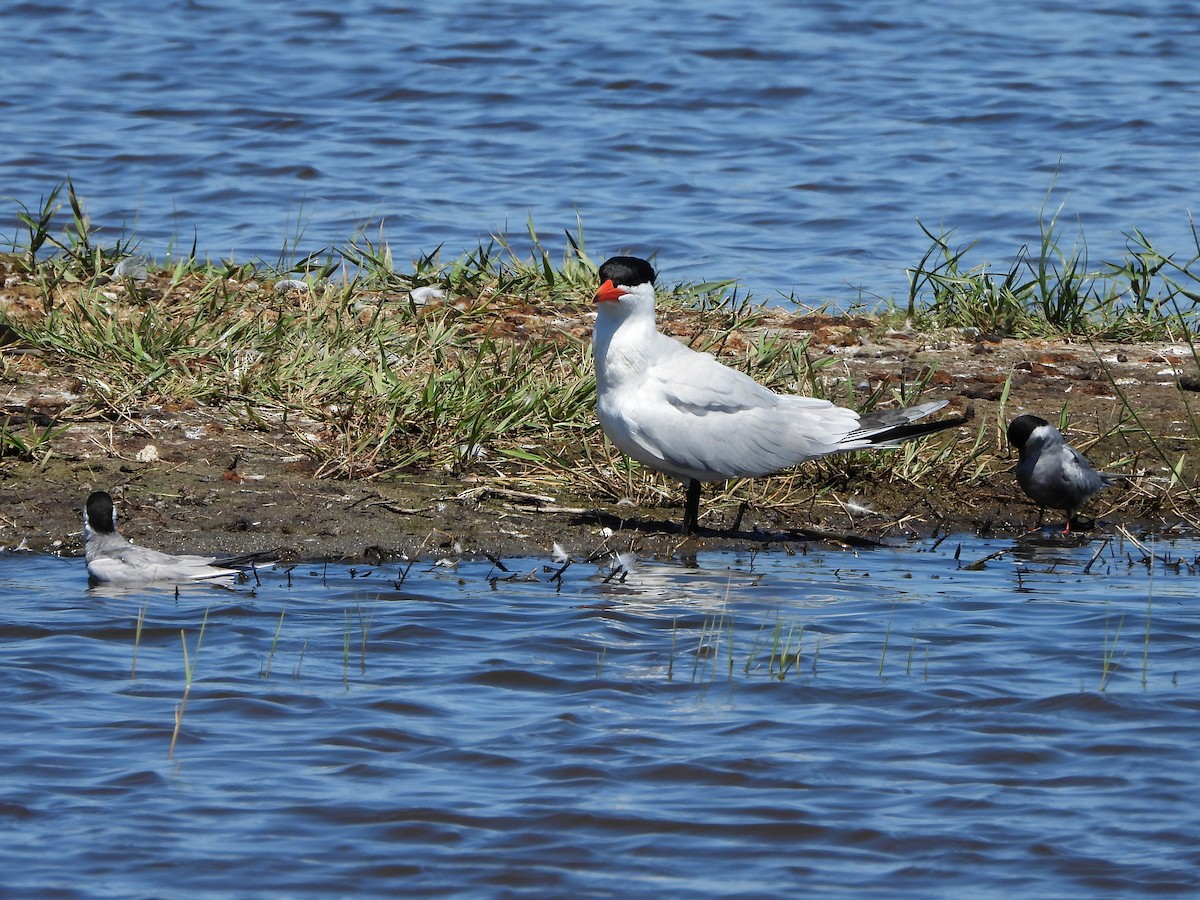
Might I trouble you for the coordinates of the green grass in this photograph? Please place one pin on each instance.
(782, 656)
(28, 441)
(497, 377)
(1054, 290)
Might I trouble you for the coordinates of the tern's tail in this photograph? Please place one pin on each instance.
(260, 559)
(887, 428)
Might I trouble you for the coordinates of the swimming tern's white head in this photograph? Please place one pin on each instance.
(111, 559)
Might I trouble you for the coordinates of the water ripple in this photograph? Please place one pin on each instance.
(450, 122)
(879, 722)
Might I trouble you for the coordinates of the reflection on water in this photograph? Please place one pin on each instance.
(887, 721)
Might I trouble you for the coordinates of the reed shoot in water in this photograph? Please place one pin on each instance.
(139, 622)
(189, 670)
(266, 670)
(1109, 662)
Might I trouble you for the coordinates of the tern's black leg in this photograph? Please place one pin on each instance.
(691, 508)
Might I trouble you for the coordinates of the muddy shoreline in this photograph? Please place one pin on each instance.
(199, 481)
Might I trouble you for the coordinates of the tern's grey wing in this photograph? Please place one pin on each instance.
(1079, 475)
(1059, 477)
(697, 418)
(132, 554)
(127, 563)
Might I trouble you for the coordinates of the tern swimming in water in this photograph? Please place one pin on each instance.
(111, 559)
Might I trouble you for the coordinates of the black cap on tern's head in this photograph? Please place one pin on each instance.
(621, 273)
(1020, 429)
(627, 271)
(99, 513)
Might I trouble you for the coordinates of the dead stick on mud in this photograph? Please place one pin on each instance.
(1095, 556)
(478, 493)
(979, 563)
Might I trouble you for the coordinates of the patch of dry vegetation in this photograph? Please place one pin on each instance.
(481, 367)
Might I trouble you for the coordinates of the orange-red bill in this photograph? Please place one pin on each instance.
(609, 292)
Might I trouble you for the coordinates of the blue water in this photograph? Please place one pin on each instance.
(791, 146)
(1024, 729)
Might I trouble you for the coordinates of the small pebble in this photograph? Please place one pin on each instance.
(1189, 383)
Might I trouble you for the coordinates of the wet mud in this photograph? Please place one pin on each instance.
(197, 480)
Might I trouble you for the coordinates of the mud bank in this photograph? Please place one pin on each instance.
(199, 480)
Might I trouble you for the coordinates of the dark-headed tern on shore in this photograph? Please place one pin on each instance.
(1051, 472)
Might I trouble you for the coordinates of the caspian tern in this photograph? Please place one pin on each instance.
(111, 559)
(1050, 471)
(681, 412)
